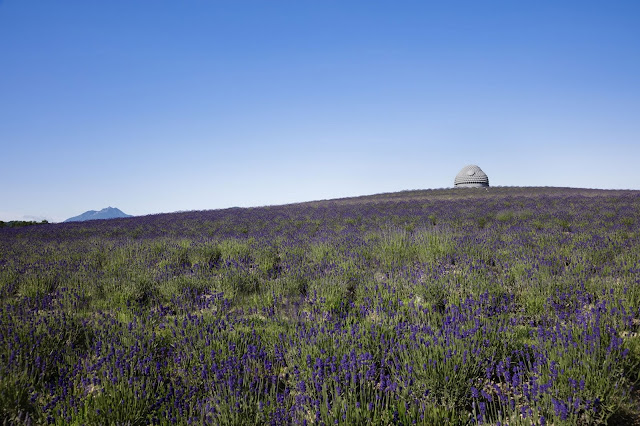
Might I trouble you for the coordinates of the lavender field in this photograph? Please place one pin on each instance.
(510, 306)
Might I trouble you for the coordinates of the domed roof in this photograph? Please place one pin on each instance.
(471, 176)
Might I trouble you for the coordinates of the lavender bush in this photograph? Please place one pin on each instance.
(510, 306)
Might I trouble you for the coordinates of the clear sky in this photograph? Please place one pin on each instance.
(160, 106)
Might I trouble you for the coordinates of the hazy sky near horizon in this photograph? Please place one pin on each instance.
(160, 106)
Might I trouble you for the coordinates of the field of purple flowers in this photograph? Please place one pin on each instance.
(510, 306)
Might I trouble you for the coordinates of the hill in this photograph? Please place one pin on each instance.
(106, 213)
(460, 307)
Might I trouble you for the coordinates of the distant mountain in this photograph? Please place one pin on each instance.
(108, 213)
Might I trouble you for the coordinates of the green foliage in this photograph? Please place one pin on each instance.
(565, 225)
(122, 402)
(268, 261)
(322, 251)
(482, 222)
(21, 223)
(397, 247)
(504, 216)
(433, 246)
(234, 249)
(16, 406)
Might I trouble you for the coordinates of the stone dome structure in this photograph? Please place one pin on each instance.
(471, 176)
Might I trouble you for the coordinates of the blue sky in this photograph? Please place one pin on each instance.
(161, 106)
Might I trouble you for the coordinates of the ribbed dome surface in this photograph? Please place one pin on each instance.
(471, 176)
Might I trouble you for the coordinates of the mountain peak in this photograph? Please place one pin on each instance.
(106, 213)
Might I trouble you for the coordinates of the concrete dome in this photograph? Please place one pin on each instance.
(471, 176)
